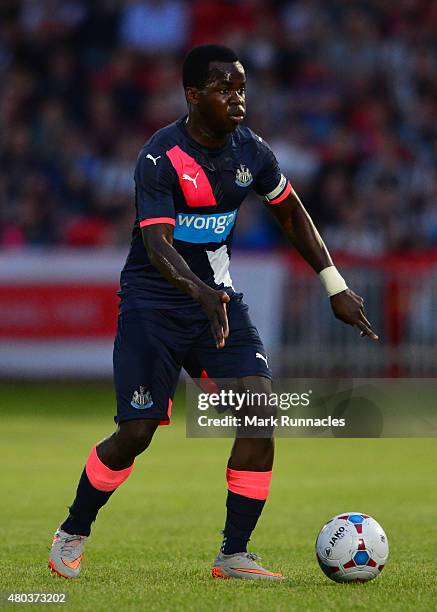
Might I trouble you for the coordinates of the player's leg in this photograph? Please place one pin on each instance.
(249, 468)
(248, 475)
(145, 375)
(107, 467)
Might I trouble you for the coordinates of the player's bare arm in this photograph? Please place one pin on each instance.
(158, 240)
(302, 233)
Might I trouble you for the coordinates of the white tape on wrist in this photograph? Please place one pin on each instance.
(332, 280)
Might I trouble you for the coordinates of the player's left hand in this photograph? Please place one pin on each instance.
(349, 308)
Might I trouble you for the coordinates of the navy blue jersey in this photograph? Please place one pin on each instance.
(199, 191)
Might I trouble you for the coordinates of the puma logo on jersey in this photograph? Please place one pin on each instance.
(154, 159)
(259, 356)
(190, 171)
(186, 177)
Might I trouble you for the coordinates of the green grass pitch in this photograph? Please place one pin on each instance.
(153, 544)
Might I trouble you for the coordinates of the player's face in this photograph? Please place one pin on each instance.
(222, 102)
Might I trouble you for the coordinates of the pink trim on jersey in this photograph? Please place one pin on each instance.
(283, 195)
(103, 478)
(154, 221)
(255, 485)
(169, 408)
(192, 178)
(206, 383)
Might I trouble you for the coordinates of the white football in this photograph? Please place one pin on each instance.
(352, 547)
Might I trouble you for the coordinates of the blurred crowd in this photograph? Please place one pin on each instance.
(344, 92)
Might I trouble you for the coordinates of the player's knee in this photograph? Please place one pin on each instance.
(261, 454)
(254, 384)
(136, 436)
(254, 454)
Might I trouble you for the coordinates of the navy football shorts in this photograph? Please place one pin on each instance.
(151, 347)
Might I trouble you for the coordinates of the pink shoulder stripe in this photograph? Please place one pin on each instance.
(155, 220)
(192, 178)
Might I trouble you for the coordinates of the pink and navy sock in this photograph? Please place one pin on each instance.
(96, 485)
(247, 494)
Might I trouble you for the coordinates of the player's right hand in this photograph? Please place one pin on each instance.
(214, 304)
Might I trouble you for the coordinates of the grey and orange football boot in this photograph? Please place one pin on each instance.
(66, 554)
(241, 565)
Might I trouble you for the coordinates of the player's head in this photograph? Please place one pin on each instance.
(214, 83)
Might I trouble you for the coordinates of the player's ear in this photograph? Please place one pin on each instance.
(192, 95)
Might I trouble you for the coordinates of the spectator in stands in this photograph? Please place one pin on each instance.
(346, 94)
(154, 26)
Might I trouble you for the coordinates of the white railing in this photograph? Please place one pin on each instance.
(58, 314)
(401, 303)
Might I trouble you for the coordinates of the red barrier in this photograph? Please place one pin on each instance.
(43, 311)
